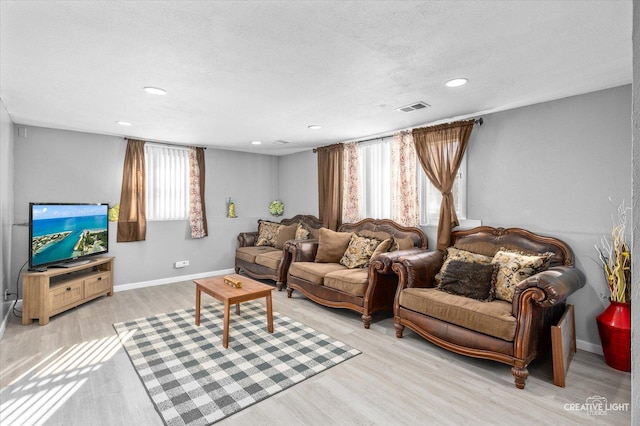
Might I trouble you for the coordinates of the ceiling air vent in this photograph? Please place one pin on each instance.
(413, 107)
(280, 142)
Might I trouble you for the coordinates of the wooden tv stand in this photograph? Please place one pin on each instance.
(45, 294)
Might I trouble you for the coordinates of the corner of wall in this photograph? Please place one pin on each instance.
(6, 205)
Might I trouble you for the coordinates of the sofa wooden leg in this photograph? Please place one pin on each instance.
(289, 292)
(279, 285)
(366, 319)
(520, 374)
(399, 329)
(237, 269)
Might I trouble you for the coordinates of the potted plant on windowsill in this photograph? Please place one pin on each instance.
(614, 323)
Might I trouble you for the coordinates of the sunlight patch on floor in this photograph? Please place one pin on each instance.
(32, 398)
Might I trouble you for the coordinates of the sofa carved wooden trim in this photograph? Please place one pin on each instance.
(376, 283)
(266, 262)
(538, 301)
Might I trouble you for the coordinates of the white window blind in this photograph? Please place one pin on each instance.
(167, 180)
(374, 167)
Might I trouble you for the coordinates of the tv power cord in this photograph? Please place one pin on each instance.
(17, 312)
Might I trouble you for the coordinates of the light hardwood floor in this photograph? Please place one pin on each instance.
(73, 372)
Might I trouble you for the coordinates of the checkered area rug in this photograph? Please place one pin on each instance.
(193, 380)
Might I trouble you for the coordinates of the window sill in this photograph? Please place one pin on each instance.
(464, 224)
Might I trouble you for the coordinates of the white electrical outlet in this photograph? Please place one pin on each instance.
(181, 264)
(6, 294)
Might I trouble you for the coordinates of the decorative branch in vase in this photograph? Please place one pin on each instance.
(614, 323)
(616, 258)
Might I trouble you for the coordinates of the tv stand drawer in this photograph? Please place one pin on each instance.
(99, 284)
(67, 294)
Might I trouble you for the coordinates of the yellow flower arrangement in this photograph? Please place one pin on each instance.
(616, 259)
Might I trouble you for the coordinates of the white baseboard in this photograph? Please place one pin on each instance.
(162, 281)
(5, 320)
(589, 347)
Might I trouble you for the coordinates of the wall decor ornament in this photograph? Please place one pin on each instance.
(276, 208)
(231, 209)
(113, 213)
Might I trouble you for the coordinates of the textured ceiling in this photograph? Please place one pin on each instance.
(240, 71)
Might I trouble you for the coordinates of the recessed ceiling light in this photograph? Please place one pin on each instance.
(155, 90)
(256, 143)
(456, 82)
(124, 123)
(315, 126)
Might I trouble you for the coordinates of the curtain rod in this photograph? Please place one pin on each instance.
(477, 121)
(168, 143)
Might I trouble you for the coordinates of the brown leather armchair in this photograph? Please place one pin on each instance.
(538, 301)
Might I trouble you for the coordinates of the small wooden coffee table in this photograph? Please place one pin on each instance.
(250, 290)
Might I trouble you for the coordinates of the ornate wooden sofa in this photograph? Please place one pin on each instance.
(514, 333)
(270, 261)
(362, 289)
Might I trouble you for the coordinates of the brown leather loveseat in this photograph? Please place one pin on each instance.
(366, 286)
(537, 273)
(264, 257)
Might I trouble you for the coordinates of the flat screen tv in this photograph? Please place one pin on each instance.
(65, 234)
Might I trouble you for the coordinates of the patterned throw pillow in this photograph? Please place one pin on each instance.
(268, 233)
(453, 253)
(302, 233)
(469, 279)
(359, 251)
(514, 267)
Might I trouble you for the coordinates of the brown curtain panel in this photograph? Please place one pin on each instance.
(330, 185)
(200, 156)
(440, 150)
(132, 220)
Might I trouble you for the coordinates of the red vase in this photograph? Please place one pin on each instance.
(614, 327)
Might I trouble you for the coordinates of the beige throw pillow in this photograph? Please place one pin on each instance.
(285, 233)
(332, 245)
(402, 244)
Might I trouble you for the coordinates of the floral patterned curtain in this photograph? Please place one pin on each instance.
(197, 213)
(404, 181)
(351, 184)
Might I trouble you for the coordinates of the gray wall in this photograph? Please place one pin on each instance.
(6, 206)
(298, 183)
(635, 274)
(65, 166)
(549, 168)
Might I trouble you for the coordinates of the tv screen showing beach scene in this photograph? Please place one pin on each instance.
(62, 232)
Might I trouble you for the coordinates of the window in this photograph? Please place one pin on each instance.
(167, 181)
(374, 169)
(374, 164)
(430, 197)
